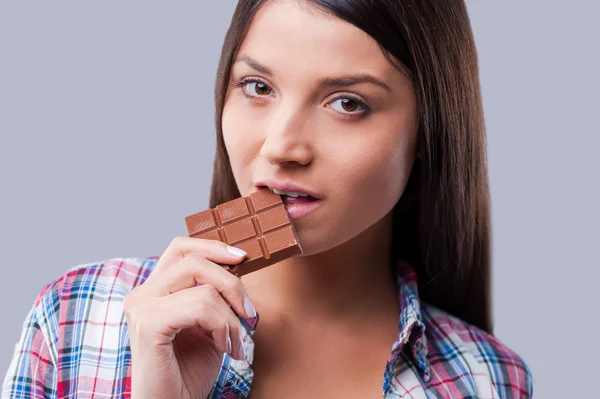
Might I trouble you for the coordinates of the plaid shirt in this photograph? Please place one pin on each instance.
(75, 344)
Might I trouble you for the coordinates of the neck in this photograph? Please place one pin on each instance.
(350, 282)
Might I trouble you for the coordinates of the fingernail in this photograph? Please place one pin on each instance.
(229, 346)
(241, 350)
(248, 307)
(236, 251)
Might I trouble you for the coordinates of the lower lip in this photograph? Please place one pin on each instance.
(296, 211)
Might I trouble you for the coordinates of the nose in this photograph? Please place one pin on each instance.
(286, 139)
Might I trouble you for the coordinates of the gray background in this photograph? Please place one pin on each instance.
(107, 141)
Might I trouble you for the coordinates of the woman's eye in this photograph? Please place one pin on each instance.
(349, 105)
(259, 88)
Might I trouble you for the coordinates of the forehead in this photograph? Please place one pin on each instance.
(293, 38)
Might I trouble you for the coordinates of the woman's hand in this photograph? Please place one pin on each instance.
(179, 330)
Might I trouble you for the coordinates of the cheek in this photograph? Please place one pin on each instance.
(229, 125)
(236, 136)
(364, 186)
(238, 146)
(375, 179)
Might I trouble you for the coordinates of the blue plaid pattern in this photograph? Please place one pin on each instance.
(75, 344)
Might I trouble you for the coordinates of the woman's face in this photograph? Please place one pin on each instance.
(294, 112)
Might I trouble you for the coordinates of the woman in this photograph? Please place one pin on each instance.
(372, 112)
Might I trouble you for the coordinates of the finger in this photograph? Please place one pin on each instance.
(214, 250)
(195, 270)
(201, 307)
(210, 295)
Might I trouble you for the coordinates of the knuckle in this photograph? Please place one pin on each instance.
(204, 312)
(210, 293)
(221, 326)
(234, 285)
(194, 264)
(135, 317)
(201, 308)
(143, 325)
(189, 267)
(177, 242)
(195, 258)
(220, 245)
(129, 300)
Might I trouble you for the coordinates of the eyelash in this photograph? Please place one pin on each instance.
(241, 83)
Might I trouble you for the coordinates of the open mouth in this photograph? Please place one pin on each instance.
(292, 198)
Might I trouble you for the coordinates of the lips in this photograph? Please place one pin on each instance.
(297, 207)
(290, 200)
(287, 200)
(289, 187)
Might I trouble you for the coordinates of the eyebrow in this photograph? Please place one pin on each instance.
(330, 81)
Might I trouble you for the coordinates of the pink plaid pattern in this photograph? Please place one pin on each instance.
(75, 344)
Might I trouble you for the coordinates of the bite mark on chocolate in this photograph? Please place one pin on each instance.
(259, 224)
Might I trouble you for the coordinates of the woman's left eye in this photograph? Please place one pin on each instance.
(349, 105)
(256, 88)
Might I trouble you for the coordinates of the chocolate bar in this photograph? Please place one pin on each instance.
(259, 224)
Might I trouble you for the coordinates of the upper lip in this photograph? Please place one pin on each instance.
(287, 186)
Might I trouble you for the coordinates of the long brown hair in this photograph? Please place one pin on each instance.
(442, 221)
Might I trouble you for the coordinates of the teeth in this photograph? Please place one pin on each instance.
(288, 193)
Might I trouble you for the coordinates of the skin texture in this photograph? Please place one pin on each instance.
(289, 127)
(293, 129)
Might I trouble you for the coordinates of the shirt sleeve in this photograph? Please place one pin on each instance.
(32, 371)
(528, 381)
(510, 373)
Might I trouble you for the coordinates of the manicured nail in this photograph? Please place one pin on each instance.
(229, 346)
(248, 307)
(241, 349)
(236, 251)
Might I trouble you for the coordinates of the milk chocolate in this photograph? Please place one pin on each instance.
(259, 224)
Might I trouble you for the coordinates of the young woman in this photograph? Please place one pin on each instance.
(372, 112)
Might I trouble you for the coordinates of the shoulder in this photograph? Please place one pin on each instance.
(484, 357)
(76, 331)
(96, 283)
(117, 274)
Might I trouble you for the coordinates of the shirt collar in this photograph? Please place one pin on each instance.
(411, 328)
